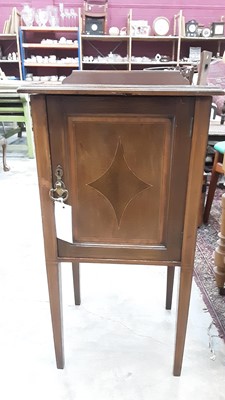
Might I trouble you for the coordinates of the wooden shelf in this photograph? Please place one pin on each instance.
(158, 64)
(106, 38)
(50, 65)
(7, 36)
(9, 61)
(155, 38)
(114, 38)
(49, 46)
(49, 29)
(106, 62)
(202, 39)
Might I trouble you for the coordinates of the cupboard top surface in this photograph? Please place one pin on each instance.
(146, 83)
(163, 83)
(123, 90)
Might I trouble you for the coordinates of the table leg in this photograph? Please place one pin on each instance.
(76, 282)
(182, 317)
(219, 255)
(169, 287)
(3, 143)
(55, 297)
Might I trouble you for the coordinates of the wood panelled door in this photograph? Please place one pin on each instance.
(125, 166)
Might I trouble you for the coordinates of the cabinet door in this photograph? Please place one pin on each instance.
(125, 163)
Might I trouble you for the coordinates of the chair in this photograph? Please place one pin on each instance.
(217, 169)
(187, 71)
(203, 68)
(216, 76)
(95, 13)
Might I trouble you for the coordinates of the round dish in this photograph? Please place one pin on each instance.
(161, 26)
(206, 32)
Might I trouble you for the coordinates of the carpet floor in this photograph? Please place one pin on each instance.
(204, 263)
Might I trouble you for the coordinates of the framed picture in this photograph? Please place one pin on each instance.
(94, 25)
(140, 28)
(218, 29)
(195, 54)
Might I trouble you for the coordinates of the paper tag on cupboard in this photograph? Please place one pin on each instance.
(63, 221)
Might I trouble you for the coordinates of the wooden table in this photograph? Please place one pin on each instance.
(132, 158)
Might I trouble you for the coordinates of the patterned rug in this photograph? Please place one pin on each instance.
(203, 269)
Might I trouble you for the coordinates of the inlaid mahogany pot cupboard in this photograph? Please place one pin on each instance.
(126, 151)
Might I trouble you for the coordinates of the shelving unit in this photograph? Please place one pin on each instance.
(132, 51)
(97, 51)
(151, 48)
(48, 52)
(125, 51)
(105, 50)
(214, 44)
(120, 52)
(9, 43)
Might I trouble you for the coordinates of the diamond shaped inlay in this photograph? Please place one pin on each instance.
(119, 184)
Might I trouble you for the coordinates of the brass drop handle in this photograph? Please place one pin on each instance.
(59, 192)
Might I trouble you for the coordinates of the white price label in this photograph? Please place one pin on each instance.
(63, 221)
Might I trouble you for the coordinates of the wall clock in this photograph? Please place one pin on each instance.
(191, 28)
(206, 32)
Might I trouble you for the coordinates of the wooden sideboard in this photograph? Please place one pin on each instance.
(132, 151)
